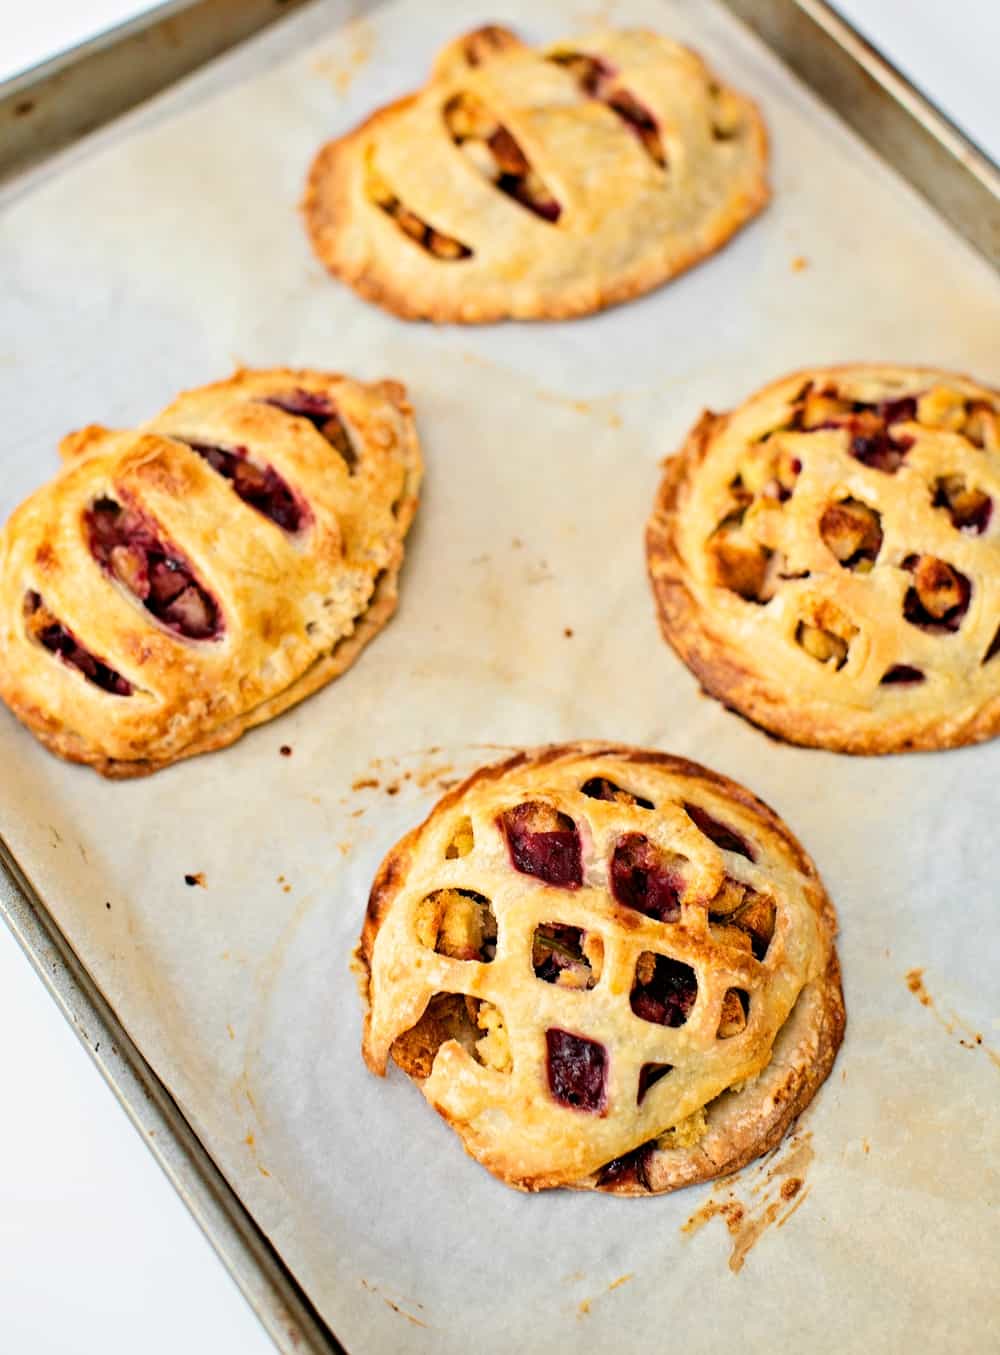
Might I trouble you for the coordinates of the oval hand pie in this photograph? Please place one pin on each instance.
(538, 182)
(173, 586)
(605, 968)
(826, 559)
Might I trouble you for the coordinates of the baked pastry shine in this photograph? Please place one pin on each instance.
(826, 558)
(173, 586)
(538, 182)
(606, 968)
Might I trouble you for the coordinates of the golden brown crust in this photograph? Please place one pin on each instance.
(426, 1009)
(616, 237)
(297, 606)
(755, 656)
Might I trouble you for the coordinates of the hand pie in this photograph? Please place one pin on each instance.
(826, 559)
(174, 586)
(605, 968)
(538, 183)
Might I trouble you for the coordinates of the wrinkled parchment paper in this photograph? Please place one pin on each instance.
(169, 251)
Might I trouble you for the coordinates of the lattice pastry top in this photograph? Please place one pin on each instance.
(605, 967)
(826, 559)
(538, 182)
(173, 586)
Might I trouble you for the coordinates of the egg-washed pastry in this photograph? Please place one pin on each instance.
(826, 558)
(175, 585)
(538, 183)
(606, 968)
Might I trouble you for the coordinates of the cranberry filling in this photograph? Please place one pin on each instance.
(263, 489)
(600, 788)
(544, 843)
(901, 673)
(577, 1070)
(718, 833)
(665, 990)
(649, 1075)
(639, 879)
(903, 410)
(126, 544)
(631, 1169)
(970, 510)
(54, 637)
(880, 451)
(322, 414)
(596, 79)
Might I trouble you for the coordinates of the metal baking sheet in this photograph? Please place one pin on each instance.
(542, 444)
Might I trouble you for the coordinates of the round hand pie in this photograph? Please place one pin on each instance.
(538, 183)
(173, 586)
(605, 968)
(826, 559)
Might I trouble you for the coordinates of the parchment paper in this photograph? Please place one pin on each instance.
(172, 250)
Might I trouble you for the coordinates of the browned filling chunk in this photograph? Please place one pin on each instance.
(600, 788)
(494, 151)
(970, 509)
(853, 532)
(437, 243)
(459, 923)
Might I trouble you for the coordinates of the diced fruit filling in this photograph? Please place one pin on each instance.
(53, 636)
(462, 841)
(649, 1075)
(826, 634)
(939, 598)
(970, 508)
(733, 1018)
(740, 563)
(458, 923)
(441, 246)
(567, 956)
(322, 414)
(497, 155)
(494, 1047)
(982, 427)
(646, 878)
(721, 834)
(902, 674)
(261, 487)
(728, 114)
(629, 1169)
(577, 1070)
(600, 788)
(941, 407)
(127, 545)
(544, 843)
(664, 990)
(757, 917)
(598, 80)
(853, 532)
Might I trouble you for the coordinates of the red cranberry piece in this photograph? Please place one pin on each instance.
(665, 990)
(516, 186)
(629, 1169)
(54, 637)
(639, 879)
(649, 1075)
(726, 838)
(600, 788)
(901, 673)
(262, 488)
(577, 1070)
(126, 544)
(880, 451)
(903, 410)
(322, 414)
(550, 853)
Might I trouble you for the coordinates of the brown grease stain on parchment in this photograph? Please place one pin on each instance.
(374, 1289)
(585, 1304)
(750, 1204)
(355, 48)
(970, 1038)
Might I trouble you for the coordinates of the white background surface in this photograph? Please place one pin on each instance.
(96, 1251)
